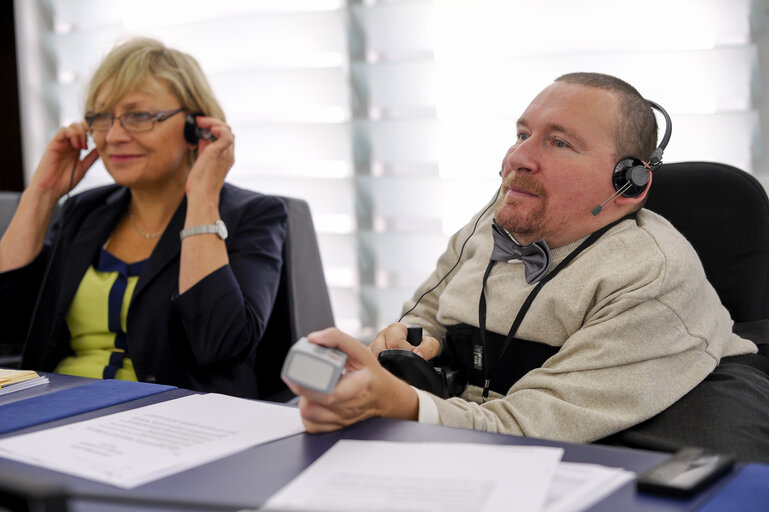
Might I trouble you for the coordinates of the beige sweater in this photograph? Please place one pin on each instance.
(637, 322)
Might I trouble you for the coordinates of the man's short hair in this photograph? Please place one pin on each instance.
(636, 130)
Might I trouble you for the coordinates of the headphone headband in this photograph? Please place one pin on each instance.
(656, 157)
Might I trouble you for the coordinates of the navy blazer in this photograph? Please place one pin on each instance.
(205, 339)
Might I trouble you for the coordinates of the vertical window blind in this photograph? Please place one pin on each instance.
(391, 117)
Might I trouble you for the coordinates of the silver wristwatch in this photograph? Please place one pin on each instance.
(217, 228)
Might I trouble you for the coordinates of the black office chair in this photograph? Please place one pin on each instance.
(724, 213)
(302, 305)
(8, 203)
(10, 354)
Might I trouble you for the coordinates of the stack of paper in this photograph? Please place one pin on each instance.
(16, 380)
(380, 476)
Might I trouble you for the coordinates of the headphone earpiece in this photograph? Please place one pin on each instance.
(191, 129)
(630, 177)
(193, 133)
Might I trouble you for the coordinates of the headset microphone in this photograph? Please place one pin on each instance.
(631, 175)
(598, 209)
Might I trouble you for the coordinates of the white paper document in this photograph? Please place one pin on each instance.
(579, 486)
(446, 477)
(134, 447)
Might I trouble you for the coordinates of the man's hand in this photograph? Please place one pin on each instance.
(364, 391)
(394, 336)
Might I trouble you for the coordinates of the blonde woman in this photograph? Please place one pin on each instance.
(169, 275)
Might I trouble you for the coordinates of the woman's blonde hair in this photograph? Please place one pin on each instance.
(129, 64)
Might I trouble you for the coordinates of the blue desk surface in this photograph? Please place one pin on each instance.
(249, 478)
(63, 403)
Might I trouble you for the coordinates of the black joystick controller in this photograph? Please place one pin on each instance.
(410, 367)
(414, 335)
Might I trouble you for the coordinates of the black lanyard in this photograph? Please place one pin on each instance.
(527, 303)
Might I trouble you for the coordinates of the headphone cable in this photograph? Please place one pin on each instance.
(49, 264)
(459, 258)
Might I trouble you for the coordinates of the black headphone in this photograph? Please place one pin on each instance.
(193, 133)
(631, 175)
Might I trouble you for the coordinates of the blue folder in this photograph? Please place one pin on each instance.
(72, 401)
(748, 491)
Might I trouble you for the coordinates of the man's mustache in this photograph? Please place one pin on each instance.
(523, 182)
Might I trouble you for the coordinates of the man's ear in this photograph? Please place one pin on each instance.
(625, 201)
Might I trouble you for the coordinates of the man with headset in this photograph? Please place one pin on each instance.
(615, 328)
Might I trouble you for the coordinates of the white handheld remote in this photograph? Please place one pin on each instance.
(313, 366)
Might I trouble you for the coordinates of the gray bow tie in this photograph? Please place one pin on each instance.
(536, 256)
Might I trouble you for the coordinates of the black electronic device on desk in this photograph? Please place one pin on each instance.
(686, 473)
(22, 495)
(420, 373)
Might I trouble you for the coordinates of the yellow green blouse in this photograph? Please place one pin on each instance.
(97, 320)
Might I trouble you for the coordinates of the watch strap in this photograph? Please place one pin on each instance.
(217, 229)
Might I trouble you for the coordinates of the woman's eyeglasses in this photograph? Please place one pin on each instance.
(131, 121)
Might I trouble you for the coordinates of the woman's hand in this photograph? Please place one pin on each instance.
(53, 177)
(202, 255)
(23, 240)
(365, 389)
(214, 161)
